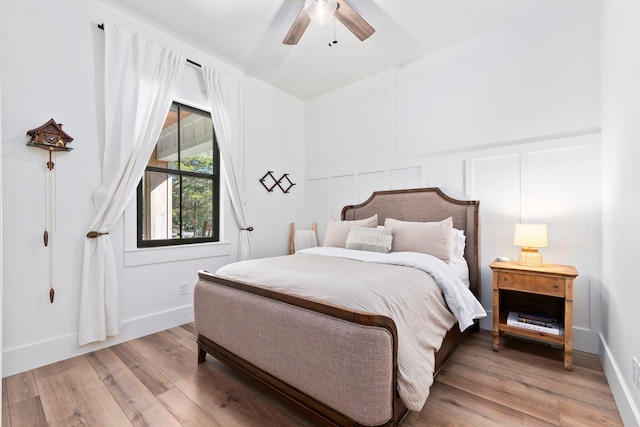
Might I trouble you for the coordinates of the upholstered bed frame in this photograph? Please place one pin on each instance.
(267, 347)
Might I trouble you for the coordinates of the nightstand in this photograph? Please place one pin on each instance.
(547, 290)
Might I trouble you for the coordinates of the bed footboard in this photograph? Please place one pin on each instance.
(335, 364)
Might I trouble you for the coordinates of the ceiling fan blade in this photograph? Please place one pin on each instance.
(353, 21)
(297, 28)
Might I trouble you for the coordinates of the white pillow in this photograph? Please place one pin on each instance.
(337, 231)
(432, 238)
(370, 239)
(458, 240)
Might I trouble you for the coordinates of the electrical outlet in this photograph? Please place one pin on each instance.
(183, 288)
(636, 372)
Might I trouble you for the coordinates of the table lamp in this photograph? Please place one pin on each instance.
(530, 237)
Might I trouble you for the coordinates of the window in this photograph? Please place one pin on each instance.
(178, 196)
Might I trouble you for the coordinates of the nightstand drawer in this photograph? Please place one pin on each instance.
(553, 286)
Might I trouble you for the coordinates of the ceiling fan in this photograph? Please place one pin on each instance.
(321, 12)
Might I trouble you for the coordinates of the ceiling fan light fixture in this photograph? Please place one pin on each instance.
(320, 11)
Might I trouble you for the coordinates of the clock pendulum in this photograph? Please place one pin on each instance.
(49, 217)
(51, 138)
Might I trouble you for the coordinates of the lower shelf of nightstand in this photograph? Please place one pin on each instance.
(529, 333)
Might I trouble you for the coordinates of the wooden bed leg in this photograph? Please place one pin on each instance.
(202, 355)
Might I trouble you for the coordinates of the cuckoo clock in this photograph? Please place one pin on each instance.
(51, 138)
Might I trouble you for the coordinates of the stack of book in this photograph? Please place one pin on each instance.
(535, 322)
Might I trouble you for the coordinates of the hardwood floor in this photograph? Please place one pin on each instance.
(155, 381)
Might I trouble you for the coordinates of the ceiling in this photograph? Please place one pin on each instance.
(248, 34)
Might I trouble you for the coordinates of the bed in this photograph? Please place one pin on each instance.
(337, 362)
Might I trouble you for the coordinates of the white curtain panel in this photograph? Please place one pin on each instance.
(140, 78)
(226, 99)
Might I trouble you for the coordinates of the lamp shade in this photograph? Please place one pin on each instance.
(320, 11)
(530, 235)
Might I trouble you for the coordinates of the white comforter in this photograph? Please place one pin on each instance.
(407, 296)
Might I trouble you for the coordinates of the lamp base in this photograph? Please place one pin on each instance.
(530, 257)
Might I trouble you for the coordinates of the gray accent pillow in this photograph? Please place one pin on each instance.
(370, 239)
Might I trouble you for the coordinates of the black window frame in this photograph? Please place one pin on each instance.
(214, 177)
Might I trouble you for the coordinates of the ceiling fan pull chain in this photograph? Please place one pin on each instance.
(335, 39)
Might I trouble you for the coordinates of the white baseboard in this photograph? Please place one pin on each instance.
(585, 340)
(629, 412)
(20, 359)
(487, 322)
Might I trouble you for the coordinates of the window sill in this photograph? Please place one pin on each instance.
(146, 256)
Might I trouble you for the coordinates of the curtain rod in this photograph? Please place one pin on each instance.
(101, 26)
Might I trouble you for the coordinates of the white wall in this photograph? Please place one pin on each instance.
(1, 239)
(59, 74)
(510, 118)
(620, 201)
(277, 133)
